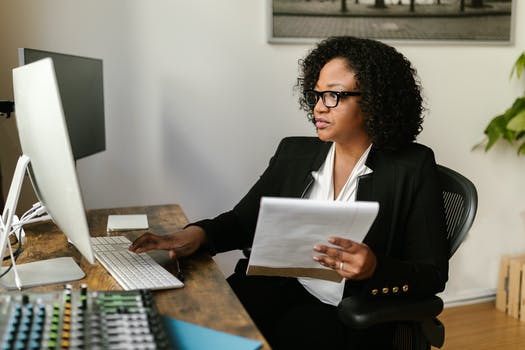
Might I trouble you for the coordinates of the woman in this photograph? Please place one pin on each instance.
(366, 105)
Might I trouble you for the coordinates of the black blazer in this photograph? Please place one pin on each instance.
(408, 235)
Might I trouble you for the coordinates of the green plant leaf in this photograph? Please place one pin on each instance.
(510, 125)
(519, 66)
(521, 149)
(517, 123)
(517, 107)
(495, 130)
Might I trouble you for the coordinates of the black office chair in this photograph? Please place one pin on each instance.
(416, 324)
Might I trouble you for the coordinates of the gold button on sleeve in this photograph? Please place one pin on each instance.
(395, 289)
(385, 290)
(405, 288)
(375, 291)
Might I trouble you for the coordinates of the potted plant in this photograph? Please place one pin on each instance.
(510, 125)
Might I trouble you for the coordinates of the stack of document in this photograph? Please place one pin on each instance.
(288, 228)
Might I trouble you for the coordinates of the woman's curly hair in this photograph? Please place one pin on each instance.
(391, 93)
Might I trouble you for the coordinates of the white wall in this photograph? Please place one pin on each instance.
(196, 101)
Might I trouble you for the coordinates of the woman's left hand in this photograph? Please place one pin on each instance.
(350, 259)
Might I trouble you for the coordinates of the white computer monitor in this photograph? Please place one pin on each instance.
(45, 144)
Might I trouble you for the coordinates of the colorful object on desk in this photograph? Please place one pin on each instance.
(188, 336)
(81, 320)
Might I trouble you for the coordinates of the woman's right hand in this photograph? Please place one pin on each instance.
(179, 244)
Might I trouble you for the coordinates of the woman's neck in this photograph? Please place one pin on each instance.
(345, 158)
(352, 150)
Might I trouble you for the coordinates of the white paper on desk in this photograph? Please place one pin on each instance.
(127, 222)
(288, 228)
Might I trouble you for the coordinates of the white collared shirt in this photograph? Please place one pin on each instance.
(323, 189)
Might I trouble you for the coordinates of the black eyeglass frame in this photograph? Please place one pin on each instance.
(321, 94)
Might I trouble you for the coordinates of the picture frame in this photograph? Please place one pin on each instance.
(405, 21)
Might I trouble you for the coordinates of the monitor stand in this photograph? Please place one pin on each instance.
(58, 270)
(39, 273)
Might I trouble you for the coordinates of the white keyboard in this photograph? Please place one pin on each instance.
(131, 270)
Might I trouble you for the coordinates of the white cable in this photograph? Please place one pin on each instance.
(13, 231)
(40, 211)
(31, 221)
(14, 225)
(35, 210)
(29, 217)
(18, 282)
(28, 212)
(34, 214)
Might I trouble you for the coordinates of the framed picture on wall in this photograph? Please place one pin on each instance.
(445, 21)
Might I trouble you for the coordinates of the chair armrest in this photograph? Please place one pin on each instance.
(363, 312)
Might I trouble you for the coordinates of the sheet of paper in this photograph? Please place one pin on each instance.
(288, 228)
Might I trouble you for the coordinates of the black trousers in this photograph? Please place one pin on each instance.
(291, 318)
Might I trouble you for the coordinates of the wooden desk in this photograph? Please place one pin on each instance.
(206, 298)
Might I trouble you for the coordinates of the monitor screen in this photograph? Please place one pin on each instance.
(44, 139)
(80, 83)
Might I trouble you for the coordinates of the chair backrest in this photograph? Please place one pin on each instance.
(461, 202)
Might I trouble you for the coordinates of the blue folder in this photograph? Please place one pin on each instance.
(188, 336)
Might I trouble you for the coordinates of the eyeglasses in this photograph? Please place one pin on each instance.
(330, 98)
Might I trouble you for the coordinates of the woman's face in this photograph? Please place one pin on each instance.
(345, 122)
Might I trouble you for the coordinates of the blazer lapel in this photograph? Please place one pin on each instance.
(365, 187)
(380, 186)
(316, 163)
(365, 183)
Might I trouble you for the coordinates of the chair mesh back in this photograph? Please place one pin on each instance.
(455, 207)
(403, 336)
(409, 336)
(460, 200)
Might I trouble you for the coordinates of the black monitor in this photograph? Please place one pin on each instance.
(80, 83)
